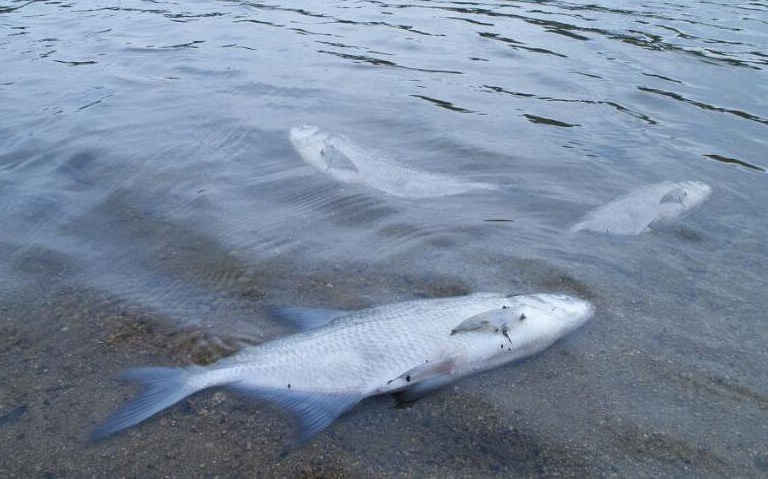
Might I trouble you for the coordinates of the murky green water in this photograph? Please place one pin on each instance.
(151, 205)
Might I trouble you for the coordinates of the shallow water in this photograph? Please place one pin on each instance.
(151, 205)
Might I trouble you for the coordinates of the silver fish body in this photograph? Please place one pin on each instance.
(645, 208)
(408, 348)
(345, 161)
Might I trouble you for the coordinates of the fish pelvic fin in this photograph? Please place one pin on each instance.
(425, 372)
(416, 391)
(161, 389)
(313, 411)
(423, 379)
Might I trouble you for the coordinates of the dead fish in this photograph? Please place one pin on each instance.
(345, 161)
(408, 349)
(645, 208)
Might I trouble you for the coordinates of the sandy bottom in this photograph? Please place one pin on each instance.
(60, 349)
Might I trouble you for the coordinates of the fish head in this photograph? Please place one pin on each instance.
(527, 325)
(695, 193)
(551, 316)
(325, 152)
(686, 195)
(571, 312)
(309, 142)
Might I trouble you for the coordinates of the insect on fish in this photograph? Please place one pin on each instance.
(408, 349)
(345, 161)
(645, 208)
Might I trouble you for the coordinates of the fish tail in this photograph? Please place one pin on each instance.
(161, 388)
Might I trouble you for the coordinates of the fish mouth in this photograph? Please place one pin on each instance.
(590, 311)
(571, 311)
(696, 191)
(703, 189)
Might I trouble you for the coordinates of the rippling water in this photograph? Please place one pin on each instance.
(144, 161)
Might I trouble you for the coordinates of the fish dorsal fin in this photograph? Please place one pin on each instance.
(313, 411)
(677, 195)
(493, 321)
(337, 160)
(304, 319)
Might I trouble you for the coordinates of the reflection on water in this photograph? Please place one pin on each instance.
(144, 158)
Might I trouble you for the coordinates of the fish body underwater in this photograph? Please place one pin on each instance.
(408, 349)
(345, 161)
(645, 208)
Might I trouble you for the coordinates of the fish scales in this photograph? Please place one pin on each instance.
(408, 349)
(350, 351)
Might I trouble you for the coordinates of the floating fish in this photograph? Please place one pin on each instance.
(408, 349)
(645, 208)
(348, 162)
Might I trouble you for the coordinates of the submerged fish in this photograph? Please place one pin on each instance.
(347, 162)
(408, 349)
(645, 208)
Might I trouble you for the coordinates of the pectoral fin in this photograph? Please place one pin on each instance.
(677, 195)
(494, 321)
(337, 160)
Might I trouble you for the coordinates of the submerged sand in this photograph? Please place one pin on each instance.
(60, 348)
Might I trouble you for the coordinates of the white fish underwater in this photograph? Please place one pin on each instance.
(408, 349)
(347, 162)
(645, 208)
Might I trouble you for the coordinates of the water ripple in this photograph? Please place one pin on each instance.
(144, 154)
(444, 104)
(704, 106)
(611, 104)
(517, 45)
(382, 62)
(725, 159)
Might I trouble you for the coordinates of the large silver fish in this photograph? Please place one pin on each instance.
(645, 208)
(347, 162)
(408, 348)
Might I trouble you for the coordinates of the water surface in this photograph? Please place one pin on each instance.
(151, 205)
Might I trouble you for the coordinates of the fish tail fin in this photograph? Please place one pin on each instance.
(161, 388)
